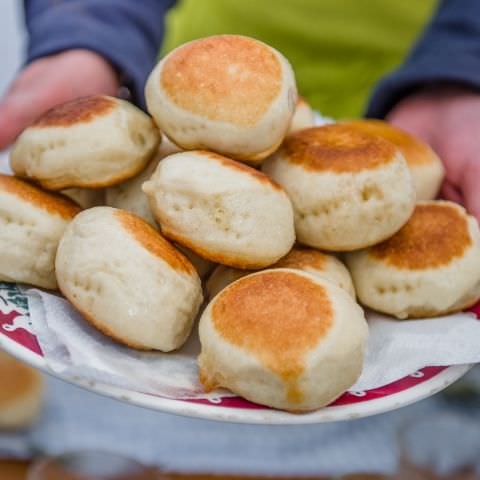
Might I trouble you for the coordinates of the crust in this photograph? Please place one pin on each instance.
(80, 110)
(230, 260)
(337, 148)
(64, 183)
(153, 242)
(51, 202)
(225, 78)
(436, 234)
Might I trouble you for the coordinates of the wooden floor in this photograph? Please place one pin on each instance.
(10, 470)
(13, 470)
(18, 471)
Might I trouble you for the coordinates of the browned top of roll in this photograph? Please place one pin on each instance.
(80, 110)
(414, 150)
(154, 242)
(300, 257)
(226, 78)
(51, 202)
(277, 315)
(338, 148)
(436, 234)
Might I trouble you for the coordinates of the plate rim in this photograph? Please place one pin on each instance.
(247, 416)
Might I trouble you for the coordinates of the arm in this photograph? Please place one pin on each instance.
(127, 33)
(78, 48)
(436, 96)
(448, 52)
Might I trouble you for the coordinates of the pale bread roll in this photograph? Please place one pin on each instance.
(127, 280)
(228, 93)
(32, 222)
(91, 142)
(224, 211)
(426, 168)
(129, 195)
(349, 189)
(303, 116)
(430, 267)
(282, 338)
(21, 394)
(86, 198)
(308, 260)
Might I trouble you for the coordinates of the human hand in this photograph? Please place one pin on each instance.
(50, 81)
(448, 119)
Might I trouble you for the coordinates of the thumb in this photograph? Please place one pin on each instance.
(23, 104)
(470, 186)
(11, 122)
(19, 109)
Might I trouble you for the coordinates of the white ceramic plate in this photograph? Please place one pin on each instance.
(17, 338)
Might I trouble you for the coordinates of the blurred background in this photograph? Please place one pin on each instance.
(11, 25)
(73, 420)
(11, 45)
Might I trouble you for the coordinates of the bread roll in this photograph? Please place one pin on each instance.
(303, 117)
(224, 211)
(202, 265)
(31, 224)
(127, 280)
(90, 142)
(430, 267)
(308, 260)
(426, 168)
(227, 93)
(282, 338)
(21, 394)
(84, 197)
(349, 189)
(130, 196)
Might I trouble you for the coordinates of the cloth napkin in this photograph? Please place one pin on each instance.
(395, 349)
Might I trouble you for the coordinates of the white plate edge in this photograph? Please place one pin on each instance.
(249, 416)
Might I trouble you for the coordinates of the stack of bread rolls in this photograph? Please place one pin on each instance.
(230, 175)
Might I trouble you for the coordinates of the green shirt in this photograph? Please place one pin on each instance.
(339, 49)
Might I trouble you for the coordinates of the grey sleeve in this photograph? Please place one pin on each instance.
(128, 33)
(448, 52)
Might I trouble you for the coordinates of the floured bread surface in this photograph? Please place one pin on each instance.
(130, 196)
(308, 260)
(349, 189)
(282, 338)
(127, 280)
(430, 267)
(426, 168)
(228, 93)
(222, 210)
(31, 224)
(303, 116)
(90, 142)
(21, 394)
(86, 198)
